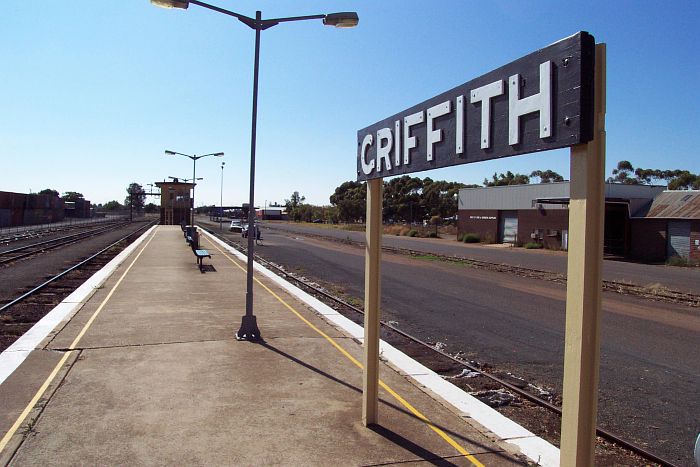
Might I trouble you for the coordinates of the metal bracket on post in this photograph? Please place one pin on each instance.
(373, 257)
(584, 287)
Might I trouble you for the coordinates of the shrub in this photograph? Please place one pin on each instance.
(677, 261)
(533, 246)
(471, 238)
(412, 233)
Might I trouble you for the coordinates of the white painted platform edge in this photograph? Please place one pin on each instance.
(535, 448)
(12, 357)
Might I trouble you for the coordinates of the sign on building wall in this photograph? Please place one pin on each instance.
(539, 102)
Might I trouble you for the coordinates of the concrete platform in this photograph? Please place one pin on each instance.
(147, 371)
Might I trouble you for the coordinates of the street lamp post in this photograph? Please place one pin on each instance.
(194, 171)
(184, 180)
(249, 328)
(221, 200)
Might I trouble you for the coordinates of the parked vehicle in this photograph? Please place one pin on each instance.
(236, 226)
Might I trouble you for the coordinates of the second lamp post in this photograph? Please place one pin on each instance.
(194, 171)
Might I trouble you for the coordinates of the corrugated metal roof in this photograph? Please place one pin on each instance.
(514, 197)
(674, 205)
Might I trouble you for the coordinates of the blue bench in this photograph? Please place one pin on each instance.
(200, 254)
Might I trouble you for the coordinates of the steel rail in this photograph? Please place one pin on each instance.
(73, 235)
(70, 269)
(46, 228)
(55, 243)
(605, 434)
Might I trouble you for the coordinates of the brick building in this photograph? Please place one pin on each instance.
(641, 221)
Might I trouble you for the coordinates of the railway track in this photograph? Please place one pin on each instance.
(11, 237)
(18, 315)
(15, 254)
(625, 288)
(447, 363)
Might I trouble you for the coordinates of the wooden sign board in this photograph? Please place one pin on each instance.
(539, 102)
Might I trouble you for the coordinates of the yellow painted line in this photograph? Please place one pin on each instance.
(27, 410)
(396, 396)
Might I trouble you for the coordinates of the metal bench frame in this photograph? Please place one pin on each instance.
(201, 254)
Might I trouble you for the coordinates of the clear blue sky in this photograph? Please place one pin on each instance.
(92, 92)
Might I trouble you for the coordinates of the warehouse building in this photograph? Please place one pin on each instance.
(643, 222)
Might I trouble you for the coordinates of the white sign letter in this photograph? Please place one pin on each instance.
(541, 102)
(459, 124)
(384, 134)
(397, 143)
(410, 142)
(435, 136)
(366, 167)
(484, 94)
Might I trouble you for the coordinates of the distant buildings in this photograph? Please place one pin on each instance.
(643, 222)
(18, 209)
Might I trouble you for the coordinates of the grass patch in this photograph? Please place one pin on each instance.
(398, 230)
(427, 257)
(440, 259)
(533, 246)
(682, 262)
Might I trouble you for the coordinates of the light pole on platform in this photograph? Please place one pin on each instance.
(249, 328)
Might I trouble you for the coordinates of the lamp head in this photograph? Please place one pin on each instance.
(169, 153)
(346, 19)
(219, 154)
(180, 4)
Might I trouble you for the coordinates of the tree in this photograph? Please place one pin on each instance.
(351, 199)
(547, 176)
(49, 191)
(440, 197)
(72, 196)
(685, 181)
(293, 204)
(435, 220)
(508, 179)
(676, 179)
(136, 197)
(622, 173)
(402, 199)
(151, 208)
(113, 206)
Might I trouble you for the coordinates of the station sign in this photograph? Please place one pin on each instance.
(539, 102)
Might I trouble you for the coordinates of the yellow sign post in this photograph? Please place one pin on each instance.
(584, 286)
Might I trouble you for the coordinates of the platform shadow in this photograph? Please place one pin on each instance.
(415, 449)
(423, 453)
(207, 268)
